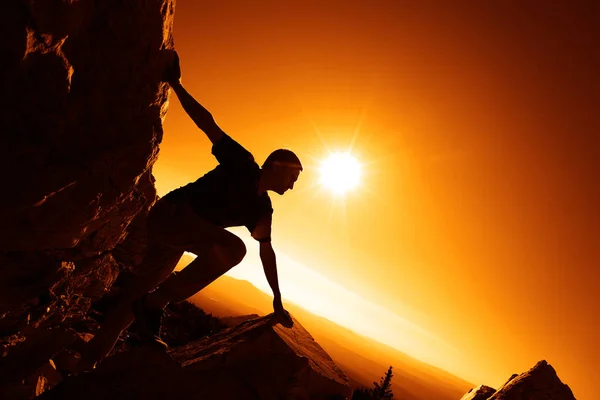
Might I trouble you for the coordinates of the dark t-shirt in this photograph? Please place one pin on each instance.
(228, 195)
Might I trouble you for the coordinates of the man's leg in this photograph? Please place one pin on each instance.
(161, 261)
(212, 261)
(217, 249)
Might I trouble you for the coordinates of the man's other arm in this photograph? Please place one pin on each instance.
(269, 262)
(200, 115)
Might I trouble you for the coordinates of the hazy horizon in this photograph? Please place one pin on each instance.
(362, 358)
(315, 293)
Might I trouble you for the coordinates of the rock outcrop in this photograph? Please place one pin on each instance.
(275, 361)
(81, 109)
(539, 383)
(481, 392)
(253, 360)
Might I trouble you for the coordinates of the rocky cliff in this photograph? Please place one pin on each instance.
(539, 383)
(81, 109)
(81, 114)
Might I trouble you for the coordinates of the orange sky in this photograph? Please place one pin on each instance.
(478, 123)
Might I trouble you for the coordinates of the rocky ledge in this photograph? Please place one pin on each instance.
(253, 360)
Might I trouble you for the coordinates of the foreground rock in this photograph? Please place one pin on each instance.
(253, 360)
(274, 360)
(81, 109)
(539, 383)
(142, 373)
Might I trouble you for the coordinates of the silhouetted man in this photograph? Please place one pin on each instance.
(193, 218)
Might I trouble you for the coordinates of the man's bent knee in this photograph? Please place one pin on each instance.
(233, 253)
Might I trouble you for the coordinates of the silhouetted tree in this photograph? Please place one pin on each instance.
(380, 391)
(383, 390)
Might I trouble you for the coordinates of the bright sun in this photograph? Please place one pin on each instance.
(340, 172)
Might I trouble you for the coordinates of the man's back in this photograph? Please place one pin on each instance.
(227, 195)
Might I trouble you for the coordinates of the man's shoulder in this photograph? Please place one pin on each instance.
(228, 151)
(247, 171)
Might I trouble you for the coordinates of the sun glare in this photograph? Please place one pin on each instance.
(340, 172)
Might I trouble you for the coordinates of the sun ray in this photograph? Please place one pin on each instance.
(316, 129)
(330, 214)
(344, 216)
(357, 128)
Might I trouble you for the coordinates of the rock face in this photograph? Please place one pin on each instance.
(81, 108)
(481, 392)
(253, 360)
(270, 360)
(539, 383)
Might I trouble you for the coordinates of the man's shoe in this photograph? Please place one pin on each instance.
(149, 321)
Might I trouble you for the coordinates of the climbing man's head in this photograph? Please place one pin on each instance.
(283, 157)
(284, 166)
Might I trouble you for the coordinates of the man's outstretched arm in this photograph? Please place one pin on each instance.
(269, 262)
(200, 115)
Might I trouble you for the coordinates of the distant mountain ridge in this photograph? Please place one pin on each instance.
(539, 383)
(365, 360)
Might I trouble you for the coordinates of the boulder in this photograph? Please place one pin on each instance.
(49, 371)
(274, 361)
(25, 390)
(33, 353)
(142, 373)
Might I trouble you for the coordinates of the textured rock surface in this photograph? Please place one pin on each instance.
(81, 120)
(142, 373)
(271, 361)
(253, 360)
(481, 392)
(81, 108)
(34, 352)
(539, 383)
